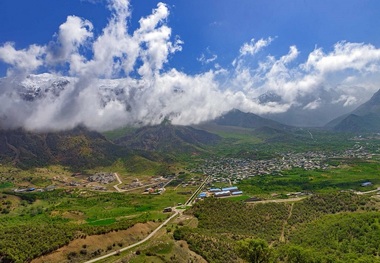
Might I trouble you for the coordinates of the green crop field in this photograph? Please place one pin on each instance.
(6, 185)
(348, 176)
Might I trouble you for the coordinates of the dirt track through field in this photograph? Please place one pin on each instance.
(278, 200)
(282, 236)
(135, 244)
(94, 242)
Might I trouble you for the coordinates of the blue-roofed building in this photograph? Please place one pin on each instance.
(214, 190)
(223, 193)
(202, 195)
(237, 193)
(231, 189)
(366, 184)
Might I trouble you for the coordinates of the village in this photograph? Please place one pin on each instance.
(232, 170)
(101, 181)
(225, 172)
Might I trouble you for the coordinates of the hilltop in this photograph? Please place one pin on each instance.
(168, 138)
(248, 120)
(365, 118)
(78, 147)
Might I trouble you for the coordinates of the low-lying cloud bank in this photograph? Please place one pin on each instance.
(126, 79)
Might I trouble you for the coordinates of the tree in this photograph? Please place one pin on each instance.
(297, 254)
(254, 250)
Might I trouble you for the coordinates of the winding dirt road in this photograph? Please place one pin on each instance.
(135, 244)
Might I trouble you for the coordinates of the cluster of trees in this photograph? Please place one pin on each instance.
(347, 236)
(212, 247)
(5, 205)
(332, 203)
(32, 230)
(22, 241)
(226, 216)
(337, 227)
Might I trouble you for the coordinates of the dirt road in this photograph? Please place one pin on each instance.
(135, 244)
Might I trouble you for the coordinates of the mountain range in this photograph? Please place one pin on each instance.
(77, 148)
(365, 118)
(81, 147)
(168, 138)
(248, 120)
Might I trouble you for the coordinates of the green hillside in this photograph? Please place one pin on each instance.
(324, 228)
(76, 148)
(167, 138)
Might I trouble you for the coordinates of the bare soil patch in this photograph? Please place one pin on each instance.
(84, 247)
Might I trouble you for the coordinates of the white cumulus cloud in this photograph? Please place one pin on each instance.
(24, 60)
(254, 47)
(123, 77)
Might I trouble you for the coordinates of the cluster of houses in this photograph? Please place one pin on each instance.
(154, 190)
(233, 170)
(104, 178)
(221, 192)
(153, 185)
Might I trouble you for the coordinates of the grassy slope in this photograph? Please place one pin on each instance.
(118, 133)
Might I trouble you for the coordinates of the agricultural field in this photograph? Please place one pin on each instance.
(64, 215)
(348, 175)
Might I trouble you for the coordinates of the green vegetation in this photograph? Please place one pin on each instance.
(267, 142)
(101, 222)
(46, 221)
(329, 226)
(350, 175)
(348, 237)
(118, 133)
(339, 227)
(254, 250)
(6, 185)
(225, 216)
(318, 205)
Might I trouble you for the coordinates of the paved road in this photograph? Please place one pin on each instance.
(196, 192)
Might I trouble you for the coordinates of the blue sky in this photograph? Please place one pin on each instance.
(301, 62)
(211, 27)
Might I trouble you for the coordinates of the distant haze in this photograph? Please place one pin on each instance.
(109, 78)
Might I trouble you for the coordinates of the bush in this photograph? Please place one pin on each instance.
(72, 255)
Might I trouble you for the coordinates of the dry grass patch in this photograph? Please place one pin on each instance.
(75, 215)
(84, 248)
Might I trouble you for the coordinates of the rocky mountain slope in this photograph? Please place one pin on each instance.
(365, 118)
(248, 120)
(169, 138)
(77, 148)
